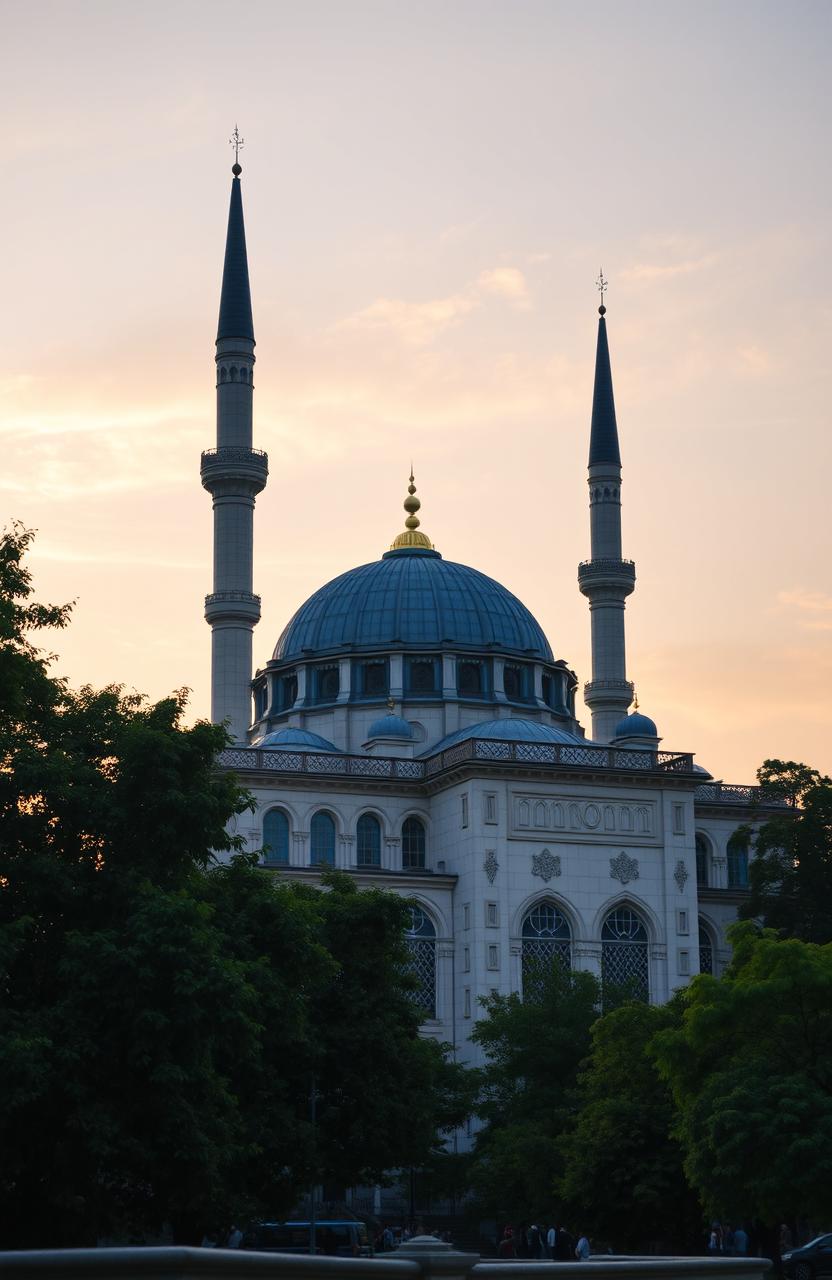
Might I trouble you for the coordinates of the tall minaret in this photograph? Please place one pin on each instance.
(233, 473)
(606, 580)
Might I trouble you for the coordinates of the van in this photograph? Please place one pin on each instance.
(339, 1237)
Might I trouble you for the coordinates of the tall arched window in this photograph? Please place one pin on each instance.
(706, 950)
(738, 861)
(368, 841)
(276, 836)
(547, 940)
(703, 858)
(421, 940)
(413, 844)
(624, 960)
(322, 834)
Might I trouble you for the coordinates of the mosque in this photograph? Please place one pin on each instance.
(414, 728)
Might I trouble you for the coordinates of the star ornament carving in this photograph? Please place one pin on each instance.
(491, 866)
(680, 875)
(546, 865)
(624, 868)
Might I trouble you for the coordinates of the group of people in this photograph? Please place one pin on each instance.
(548, 1244)
(730, 1241)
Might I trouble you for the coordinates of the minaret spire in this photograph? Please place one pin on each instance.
(606, 580)
(233, 473)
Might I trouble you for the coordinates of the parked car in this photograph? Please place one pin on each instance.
(340, 1237)
(812, 1260)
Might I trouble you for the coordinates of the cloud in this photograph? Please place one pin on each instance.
(816, 604)
(508, 283)
(420, 323)
(649, 271)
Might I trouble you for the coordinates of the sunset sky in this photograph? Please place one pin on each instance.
(430, 189)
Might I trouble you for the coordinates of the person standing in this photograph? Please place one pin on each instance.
(582, 1248)
(552, 1242)
(565, 1244)
(506, 1248)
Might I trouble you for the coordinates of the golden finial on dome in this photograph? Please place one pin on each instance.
(412, 536)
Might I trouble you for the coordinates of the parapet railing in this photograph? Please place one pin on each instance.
(730, 793)
(431, 1261)
(472, 749)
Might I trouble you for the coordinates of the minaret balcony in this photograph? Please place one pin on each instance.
(232, 607)
(619, 575)
(249, 467)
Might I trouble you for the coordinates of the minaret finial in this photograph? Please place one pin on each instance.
(601, 286)
(635, 700)
(236, 142)
(412, 537)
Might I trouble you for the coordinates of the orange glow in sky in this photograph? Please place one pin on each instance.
(429, 192)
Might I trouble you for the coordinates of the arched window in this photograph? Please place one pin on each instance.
(322, 833)
(624, 962)
(703, 858)
(469, 679)
(413, 844)
(368, 841)
(706, 950)
(276, 836)
(738, 861)
(421, 940)
(547, 940)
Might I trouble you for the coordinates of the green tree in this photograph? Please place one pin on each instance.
(620, 1140)
(790, 877)
(162, 1014)
(533, 1050)
(750, 1069)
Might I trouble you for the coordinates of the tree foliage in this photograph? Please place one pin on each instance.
(165, 1016)
(790, 877)
(620, 1140)
(750, 1069)
(533, 1049)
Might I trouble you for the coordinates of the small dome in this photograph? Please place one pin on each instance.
(390, 726)
(295, 740)
(636, 725)
(511, 730)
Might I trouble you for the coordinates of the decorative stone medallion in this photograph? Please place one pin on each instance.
(491, 866)
(546, 865)
(624, 868)
(680, 875)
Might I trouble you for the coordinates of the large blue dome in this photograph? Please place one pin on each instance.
(412, 599)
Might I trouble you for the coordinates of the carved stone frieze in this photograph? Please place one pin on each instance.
(546, 865)
(536, 817)
(624, 868)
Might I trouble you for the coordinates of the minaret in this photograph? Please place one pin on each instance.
(606, 580)
(233, 473)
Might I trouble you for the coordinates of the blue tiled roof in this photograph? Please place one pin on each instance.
(603, 437)
(412, 600)
(296, 740)
(235, 301)
(390, 727)
(636, 725)
(510, 730)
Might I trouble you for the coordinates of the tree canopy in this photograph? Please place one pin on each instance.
(533, 1048)
(620, 1140)
(750, 1069)
(790, 877)
(165, 1015)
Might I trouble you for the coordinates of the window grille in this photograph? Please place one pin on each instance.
(706, 950)
(422, 675)
(702, 859)
(276, 836)
(738, 862)
(374, 678)
(624, 960)
(368, 841)
(547, 941)
(322, 835)
(470, 678)
(413, 844)
(421, 941)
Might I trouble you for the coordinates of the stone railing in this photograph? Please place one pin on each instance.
(730, 793)
(483, 750)
(423, 1257)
